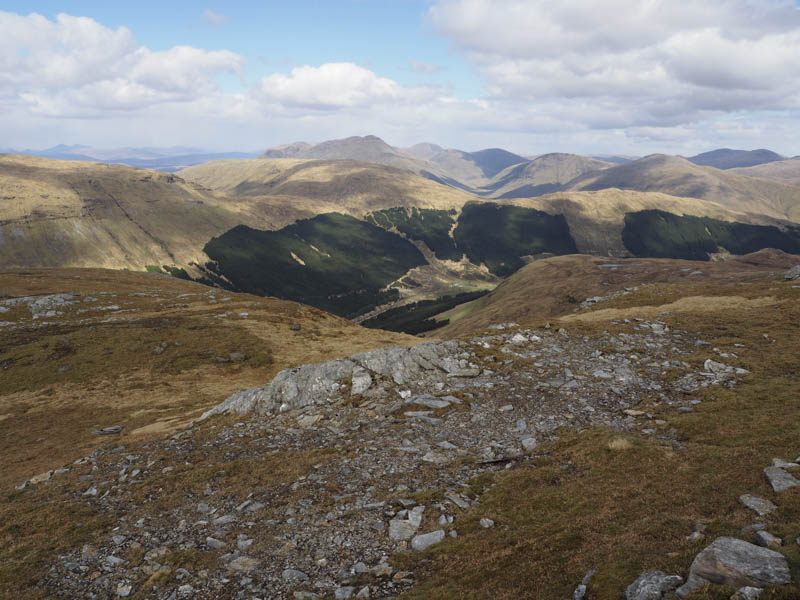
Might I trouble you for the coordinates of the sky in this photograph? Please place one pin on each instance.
(532, 76)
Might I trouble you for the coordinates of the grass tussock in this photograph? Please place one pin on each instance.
(620, 444)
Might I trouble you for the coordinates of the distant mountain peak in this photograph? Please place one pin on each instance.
(727, 158)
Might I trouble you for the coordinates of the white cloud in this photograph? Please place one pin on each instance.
(74, 66)
(334, 86)
(214, 19)
(638, 62)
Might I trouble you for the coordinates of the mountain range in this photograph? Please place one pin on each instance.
(307, 221)
(160, 159)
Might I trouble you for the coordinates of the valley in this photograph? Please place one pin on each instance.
(348, 370)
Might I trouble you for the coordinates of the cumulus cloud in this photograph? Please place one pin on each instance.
(659, 63)
(334, 86)
(74, 66)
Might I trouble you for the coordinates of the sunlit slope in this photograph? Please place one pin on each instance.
(295, 188)
(542, 175)
(679, 177)
(783, 171)
(556, 286)
(596, 219)
(69, 213)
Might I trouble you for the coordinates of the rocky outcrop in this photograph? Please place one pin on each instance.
(734, 562)
(316, 383)
(652, 586)
(793, 274)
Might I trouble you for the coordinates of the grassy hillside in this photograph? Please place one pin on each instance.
(679, 177)
(287, 189)
(658, 234)
(97, 361)
(784, 171)
(542, 175)
(70, 213)
(333, 261)
(556, 286)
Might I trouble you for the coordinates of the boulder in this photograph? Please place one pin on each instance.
(652, 586)
(734, 562)
(426, 540)
(793, 273)
(756, 504)
(779, 479)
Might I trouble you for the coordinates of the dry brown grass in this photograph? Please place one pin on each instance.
(584, 504)
(554, 287)
(113, 377)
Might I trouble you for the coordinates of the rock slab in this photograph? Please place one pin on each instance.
(734, 562)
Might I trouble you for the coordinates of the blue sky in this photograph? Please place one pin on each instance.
(383, 34)
(531, 75)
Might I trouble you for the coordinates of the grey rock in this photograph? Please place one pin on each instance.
(215, 544)
(792, 274)
(124, 590)
(767, 540)
(528, 443)
(343, 593)
(759, 505)
(783, 464)
(486, 523)
(734, 562)
(779, 479)
(715, 367)
(244, 564)
(185, 591)
(404, 529)
(426, 540)
(428, 401)
(317, 383)
(360, 382)
(652, 586)
(224, 520)
(295, 574)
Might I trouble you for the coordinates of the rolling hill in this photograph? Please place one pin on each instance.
(555, 287)
(782, 171)
(725, 158)
(679, 177)
(543, 175)
(464, 170)
(83, 214)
